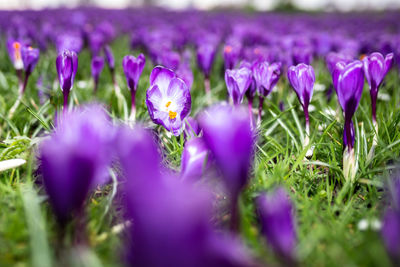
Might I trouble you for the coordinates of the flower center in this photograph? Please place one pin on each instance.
(172, 115)
(168, 104)
(17, 50)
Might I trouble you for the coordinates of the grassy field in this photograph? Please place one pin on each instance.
(331, 214)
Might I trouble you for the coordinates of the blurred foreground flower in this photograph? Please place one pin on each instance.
(168, 100)
(302, 78)
(278, 223)
(195, 159)
(228, 135)
(74, 159)
(348, 81)
(67, 65)
(133, 68)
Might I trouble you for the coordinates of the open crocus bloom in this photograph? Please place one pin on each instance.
(14, 49)
(168, 100)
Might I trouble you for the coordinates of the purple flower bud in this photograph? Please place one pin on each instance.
(195, 159)
(302, 79)
(168, 100)
(238, 82)
(75, 158)
(228, 135)
(375, 68)
(67, 65)
(109, 57)
(97, 67)
(349, 82)
(133, 68)
(266, 76)
(231, 54)
(278, 222)
(332, 58)
(30, 57)
(205, 57)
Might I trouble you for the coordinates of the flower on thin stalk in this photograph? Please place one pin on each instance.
(228, 135)
(375, 68)
(97, 68)
(266, 76)
(238, 82)
(133, 68)
(168, 100)
(30, 57)
(278, 222)
(67, 65)
(14, 48)
(74, 159)
(348, 81)
(302, 78)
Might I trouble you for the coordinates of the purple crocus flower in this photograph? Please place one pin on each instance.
(195, 159)
(205, 59)
(67, 65)
(228, 135)
(97, 68)
(349, 82)
(278, 222)
(238, 82)
(266, 76)
(133, 68)
(185, 73)
(231, 54)
(168, 100)
(302, 78)
(30, 57)
(74, 159)
(375, 68)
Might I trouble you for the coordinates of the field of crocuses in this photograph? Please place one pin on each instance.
(146, 137)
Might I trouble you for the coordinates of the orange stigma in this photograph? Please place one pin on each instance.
(17, 50)
(172, 115)
(228, 49)
(362, 56)
(168, 104)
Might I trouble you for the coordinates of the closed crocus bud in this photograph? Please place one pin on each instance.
(231, 54)
(266, 76)
(302, 79)
(195, 159)
(375, 69)
(133, 68)
(349, 82)
(238, 82)
(168, 100)
(109, 57)
(228, 135)
(278, 222)
(74, 159)
(205, 59)
(97, 68)
(30, 57)
(67, 65)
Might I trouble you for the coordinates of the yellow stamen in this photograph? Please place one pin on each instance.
(168, 104)
(172, 115)
(362, 56)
